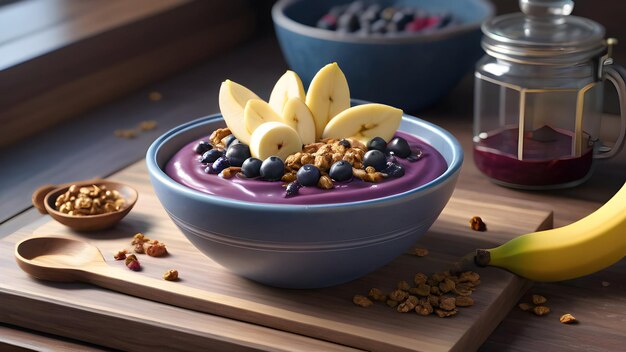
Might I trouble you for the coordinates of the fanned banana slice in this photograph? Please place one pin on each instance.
(289, 85)
(274, 138)
(232, 100)
(328, 95)
(365, 122)
(298, 116)
(258, 112)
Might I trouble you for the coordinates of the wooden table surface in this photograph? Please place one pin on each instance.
(96, 152)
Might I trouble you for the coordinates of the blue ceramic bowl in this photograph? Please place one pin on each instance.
(302, 246)
(410, 71)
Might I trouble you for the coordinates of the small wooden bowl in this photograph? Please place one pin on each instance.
(45, 196)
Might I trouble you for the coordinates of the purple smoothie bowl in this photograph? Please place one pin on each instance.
(295, 245)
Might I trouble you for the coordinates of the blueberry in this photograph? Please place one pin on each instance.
(377, 143)
(348, 22)
(391, 158)
(394, 170)
(308, 175)
(400, 147)
(237, 154)
(375, 158)
(401, 18)
(211, 155)
(220, 164)
(230, 139)
(251, 167)
(341, 171)
(292, 189)
(202, 147)
(445, 19)
(379, 27)
(209, 169)
(346, 144)
(272, 169)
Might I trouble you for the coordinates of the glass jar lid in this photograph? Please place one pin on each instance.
(543, 33)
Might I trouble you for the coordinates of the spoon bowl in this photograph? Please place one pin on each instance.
(45, 196)
(56, 258)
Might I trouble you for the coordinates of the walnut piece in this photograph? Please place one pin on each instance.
(447, 303)
(477, 224)
(377, 295)
(420, 252)
(464, 301)
(171, 275)
(541, 310)
(420, 278)
(120, 255)
(362, 301)
(445, 313)
(403, 285)
(525, 306)
(408, 305)
(539, 300)
(568, 319)
(447, 285)
(230, 172)
(155, 248)
(216, 137)
(398, 295)
(325, 182)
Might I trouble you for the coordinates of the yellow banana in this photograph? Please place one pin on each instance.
(578, 249)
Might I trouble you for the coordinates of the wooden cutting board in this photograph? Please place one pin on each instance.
(116, 320)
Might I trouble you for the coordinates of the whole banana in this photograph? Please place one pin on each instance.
(578, 249)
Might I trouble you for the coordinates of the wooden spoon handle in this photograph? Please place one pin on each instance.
(177, 294)
(40, 193)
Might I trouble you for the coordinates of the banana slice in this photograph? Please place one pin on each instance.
(258, 112)
(274, 138)
(328, 95)
(365, 122)
(289, 85)
(298, 116)
(232, 100)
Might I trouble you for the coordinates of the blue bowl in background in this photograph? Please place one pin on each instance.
(302, 246)
(410, 71)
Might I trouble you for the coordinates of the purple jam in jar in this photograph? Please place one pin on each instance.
(185, 168)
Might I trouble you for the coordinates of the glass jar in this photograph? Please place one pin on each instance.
(538, 97)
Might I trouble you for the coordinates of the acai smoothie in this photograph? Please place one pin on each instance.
(185, 168)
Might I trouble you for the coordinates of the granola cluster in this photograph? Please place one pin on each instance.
(144, 245)
(318, 164)
(538, 306)
(327, 152)
(91, 200)
(440, 293)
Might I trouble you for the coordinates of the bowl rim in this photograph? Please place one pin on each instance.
(157, 172)
(280, 19)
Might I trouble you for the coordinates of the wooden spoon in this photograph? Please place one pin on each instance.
(44, 198)
(67, 259)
